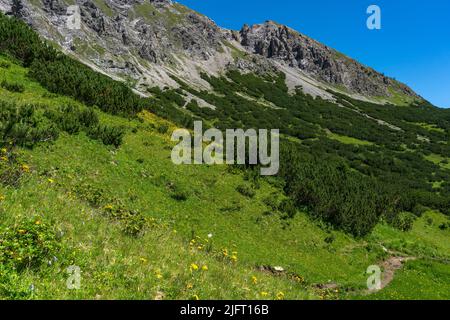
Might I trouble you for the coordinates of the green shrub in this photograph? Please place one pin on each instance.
(93, 195)
(21, 126)
(133, 222)
(5, 65)
(419, 210)
(288, 208)
(178, 192)
(403, 221)
(12, 86)
(272, 202)
(11, 171)
(246, 190)
(108, 135)
(72, 119)
(28, 244)
(330, 239)
(163, 128)
(444, 226)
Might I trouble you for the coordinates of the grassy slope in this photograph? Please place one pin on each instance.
(118, 266)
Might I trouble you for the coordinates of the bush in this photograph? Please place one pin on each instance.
(333, 192)
(403, 221)
(108, 135)
(5, 65)
(73, 119)
(12, 86)
(11, 171)
(20, 125)
(419, 210)
(163, 128)
(272, 202)
(133, 222)
(288, 208)
(27, 244)
(246, 190)
(177, 192)
(444, 226)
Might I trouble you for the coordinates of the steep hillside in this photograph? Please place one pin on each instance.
(86, 180)
(140, 227)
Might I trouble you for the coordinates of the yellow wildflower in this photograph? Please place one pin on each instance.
(195, 297)
(194, 267)
(234, 258)
(4, 150)
(25, 168)
(205, 268)
(38, 222)
(225, 252)
(280, 295)
(143, 260)
(50, 180)
(4, 158)
(264, 294)
(2, 198)
(21, 231)
(189, 286)
(254, 280)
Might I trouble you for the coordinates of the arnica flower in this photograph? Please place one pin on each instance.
(264, 294)
(254, 280)
(25, 168)
(234, 258)
(108, 207)
(38, 222)
(143, 260)
(205, 268)
(194, 267)
(50, 180)
(225, 252)
(280, 295)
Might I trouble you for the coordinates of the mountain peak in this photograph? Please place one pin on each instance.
(150, 40)
(281, 43)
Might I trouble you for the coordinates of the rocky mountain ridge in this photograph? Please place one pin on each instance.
(152, 42)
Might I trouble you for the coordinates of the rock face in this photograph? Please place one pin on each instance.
(152, 41)
(279, 42)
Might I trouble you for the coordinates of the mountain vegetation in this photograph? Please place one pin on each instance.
(86, 179)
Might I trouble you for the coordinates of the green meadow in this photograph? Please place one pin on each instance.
(140, 227)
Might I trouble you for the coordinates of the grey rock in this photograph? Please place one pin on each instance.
(153, 40)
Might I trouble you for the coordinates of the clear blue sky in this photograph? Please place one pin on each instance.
(413, 45)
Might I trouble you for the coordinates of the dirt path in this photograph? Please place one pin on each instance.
(390, 266)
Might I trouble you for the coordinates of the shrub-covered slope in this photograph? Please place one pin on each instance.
(94, 187)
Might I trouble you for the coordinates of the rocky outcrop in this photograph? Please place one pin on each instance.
(151, 41)
(279, 42)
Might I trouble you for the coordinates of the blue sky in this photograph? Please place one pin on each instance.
(413, 45)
